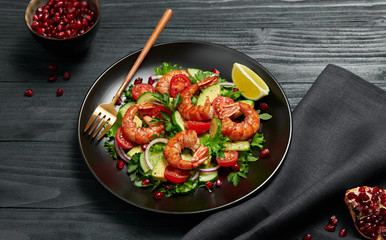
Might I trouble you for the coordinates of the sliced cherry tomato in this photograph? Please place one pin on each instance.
(122, 141)
(230, 159)
(156, 112)
(138, 89)
(199, 127)
(176, 175)
(220, 101)
(178, 83)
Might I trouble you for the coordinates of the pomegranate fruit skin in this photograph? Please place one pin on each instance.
(367, 206)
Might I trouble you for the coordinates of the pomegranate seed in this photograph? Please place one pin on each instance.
(59, 92)
(342, 232)
(119, 101)
(151, 81)
(145, 182)
(215, 71)
(66, 75)
(264, 152)
(307, 237)
(235, 89)
(52, 78)
(209, 185)
(138, 80)
(263, 106)
(144, 146)
(157, 195)
(333, 220)
(52, 67)
(55, 15)
(169, 187)
(330, 227)
(120, 164)
(218, 182)
(236, 167)
(29, 93)
(351, 196)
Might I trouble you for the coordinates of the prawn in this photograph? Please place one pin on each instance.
(243, 130)
(140, 135)
(192, 112)
(163, 84)
(185, 139)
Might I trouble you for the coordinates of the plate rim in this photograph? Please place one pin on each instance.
(289, 140)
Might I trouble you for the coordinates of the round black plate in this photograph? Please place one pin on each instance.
(277, 131)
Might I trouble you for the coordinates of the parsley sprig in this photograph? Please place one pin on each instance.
(165, 100)
(165, 68)
(215, 144)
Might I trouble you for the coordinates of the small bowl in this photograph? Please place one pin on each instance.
(69, 46)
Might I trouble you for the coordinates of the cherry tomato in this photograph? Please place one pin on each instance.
(178, 83)
(156, 112)
(199, 127)
(220, 101)
(215, 71)
(140, 88)
(122, 141)
(230, 159)
(176, 175)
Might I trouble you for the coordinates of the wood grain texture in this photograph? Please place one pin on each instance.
(46, 189)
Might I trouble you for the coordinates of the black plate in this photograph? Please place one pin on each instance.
(277, 131)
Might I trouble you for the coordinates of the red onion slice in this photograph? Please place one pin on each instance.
(212, 169)
(157, 103)
(156, 77)
(195, 176)
(162, 140)
(121, 153)
(226, 84)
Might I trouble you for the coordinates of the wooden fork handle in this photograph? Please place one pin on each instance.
(160, 26)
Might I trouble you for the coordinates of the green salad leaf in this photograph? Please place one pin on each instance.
(165, 68)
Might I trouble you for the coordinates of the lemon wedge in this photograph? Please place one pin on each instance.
(248, 82)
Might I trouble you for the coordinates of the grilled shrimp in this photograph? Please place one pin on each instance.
(192, 112)
(140, 135)
(243, 130)
(185, 139)
(163, 84)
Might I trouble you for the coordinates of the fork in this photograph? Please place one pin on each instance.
(106, 114)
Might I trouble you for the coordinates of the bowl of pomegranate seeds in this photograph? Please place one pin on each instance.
(63, 26)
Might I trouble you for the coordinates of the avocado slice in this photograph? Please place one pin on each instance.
(158, 171)
(134, 150)
(212, 92)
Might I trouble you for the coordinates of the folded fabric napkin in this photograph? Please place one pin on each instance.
(339, 142)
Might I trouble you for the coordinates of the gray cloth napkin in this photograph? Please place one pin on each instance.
(339, 142)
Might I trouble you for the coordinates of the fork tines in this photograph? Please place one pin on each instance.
(98, 120)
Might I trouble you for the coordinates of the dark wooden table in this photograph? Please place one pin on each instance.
(46, 189)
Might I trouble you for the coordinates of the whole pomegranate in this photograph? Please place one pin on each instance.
(367, 206)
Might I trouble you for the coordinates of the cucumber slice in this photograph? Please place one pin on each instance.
(208, 176)
(237, 145)
(215, 127)
(155, 157)
(146, 98)
(143, 165)
(250, 102)
(179, 120)
(211, 92)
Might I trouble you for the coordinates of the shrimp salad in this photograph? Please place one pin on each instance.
(179, 130)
